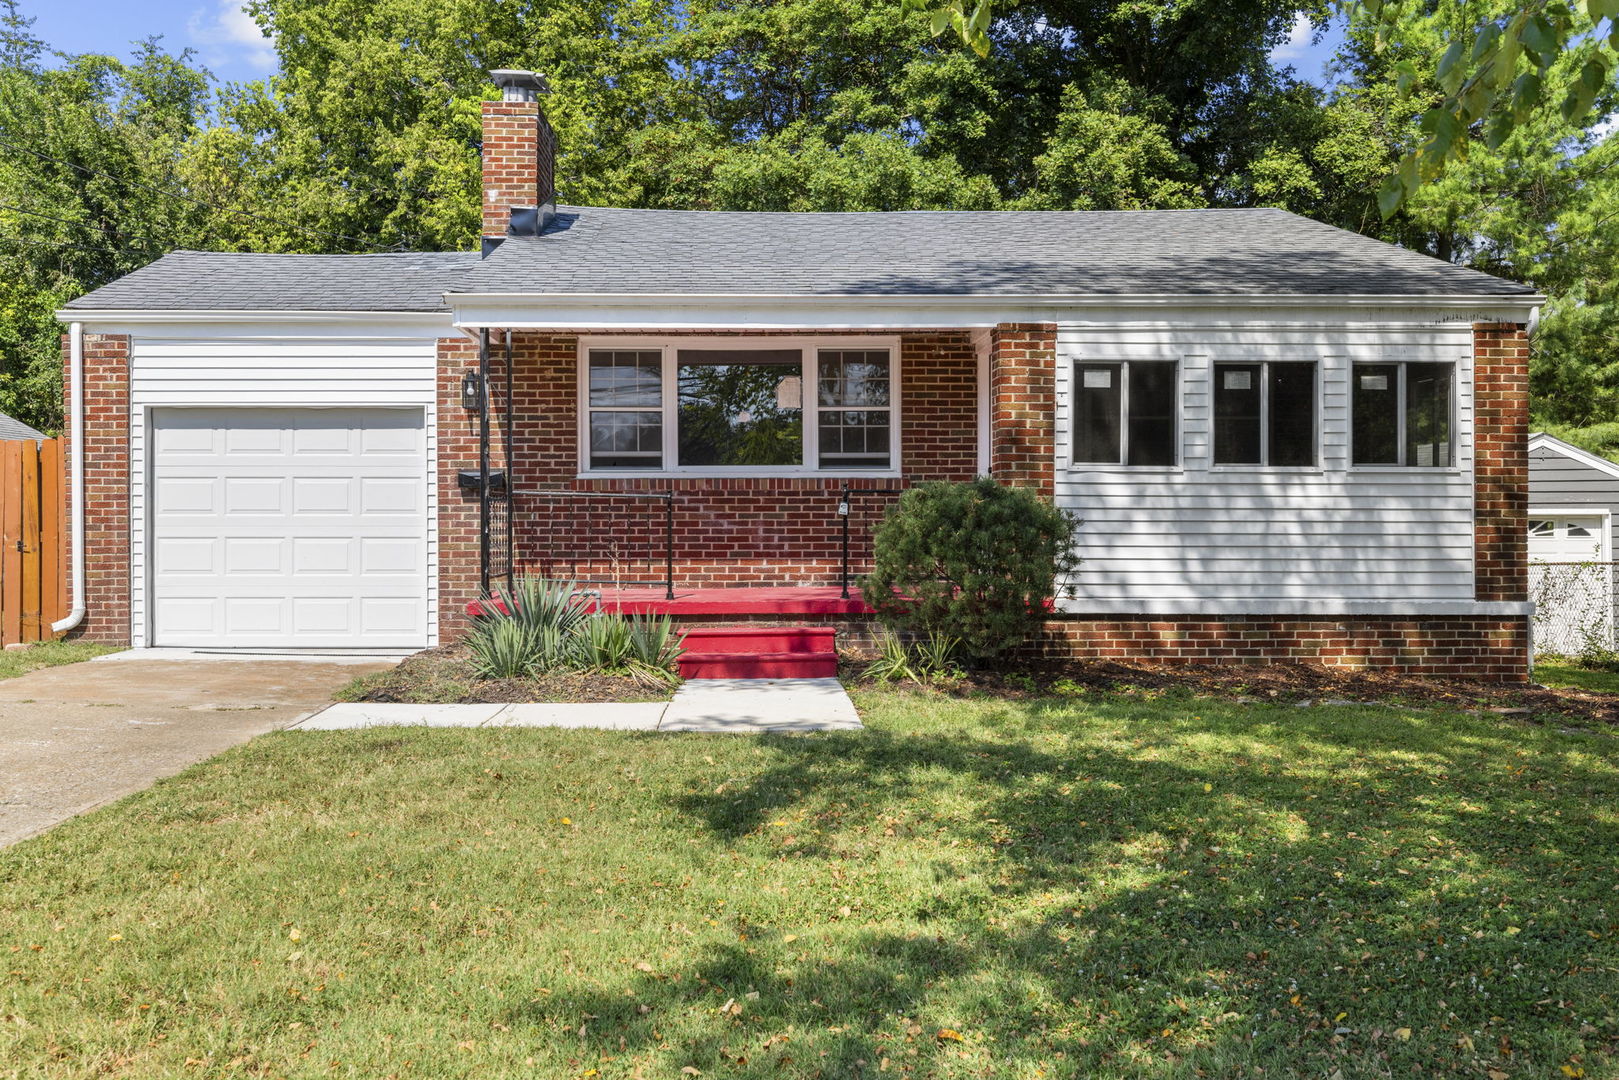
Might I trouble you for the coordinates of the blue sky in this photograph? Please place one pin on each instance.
(228, 42)
(224, 38)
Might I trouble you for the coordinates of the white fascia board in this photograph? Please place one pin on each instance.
(1311, 609)
(1541, 441)
(371, 324)
(678, 311)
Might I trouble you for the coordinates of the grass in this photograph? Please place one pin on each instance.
(1119, 886)
(1566, 674)
(14, 662)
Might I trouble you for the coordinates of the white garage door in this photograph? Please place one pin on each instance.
(289, 528)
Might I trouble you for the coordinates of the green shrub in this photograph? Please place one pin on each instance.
(502, 649)
(974, 561)
(931, 657)
(539, 625)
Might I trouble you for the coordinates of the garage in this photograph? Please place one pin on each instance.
(288, 528)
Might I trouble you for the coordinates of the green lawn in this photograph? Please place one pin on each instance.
(1566, 674)
(1082, 887)
(14, 662)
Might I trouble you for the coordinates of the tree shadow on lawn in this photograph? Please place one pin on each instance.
(1303, 890)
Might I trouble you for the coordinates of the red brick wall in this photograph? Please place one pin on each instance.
(106, 489)
(1501, 461)
(519, 161)
(1023, 364)
(753, 531)
(1490, 649)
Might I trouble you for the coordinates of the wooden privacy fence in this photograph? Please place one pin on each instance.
(33, 548)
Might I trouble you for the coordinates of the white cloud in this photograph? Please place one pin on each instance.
(229, 36)
(1298, 41)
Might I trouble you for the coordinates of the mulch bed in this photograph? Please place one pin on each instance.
(444, 676)
(1287, 683)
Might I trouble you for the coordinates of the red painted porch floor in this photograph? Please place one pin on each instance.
(805, 600)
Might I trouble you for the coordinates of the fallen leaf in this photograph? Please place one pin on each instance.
(1403, 1034)
(642, 965)
(687, 1070)
(294, 935)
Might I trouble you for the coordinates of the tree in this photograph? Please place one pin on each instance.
(88, 154)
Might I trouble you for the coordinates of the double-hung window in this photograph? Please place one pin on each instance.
(1126, 413)
(1402, 414)
(1265, 413)
(772, 406)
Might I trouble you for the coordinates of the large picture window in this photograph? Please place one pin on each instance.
(1402, 414)
(769, 406)
(1264, 414)
(1125, 412)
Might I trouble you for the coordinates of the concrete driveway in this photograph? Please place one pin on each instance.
(77, 736)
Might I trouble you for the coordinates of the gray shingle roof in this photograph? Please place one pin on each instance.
(1007, 253)
(12, 428)
(231, 281)
(950, 253)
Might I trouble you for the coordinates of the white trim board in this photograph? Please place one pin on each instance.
(1539, 440)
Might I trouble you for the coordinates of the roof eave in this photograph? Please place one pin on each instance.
(155, 315)
(1461, 300)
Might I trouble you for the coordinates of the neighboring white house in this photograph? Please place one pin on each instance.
(1573, 495)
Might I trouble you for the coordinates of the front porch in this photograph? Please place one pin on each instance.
(716, 475)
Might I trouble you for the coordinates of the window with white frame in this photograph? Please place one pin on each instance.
(1126, 412)
(1264, 413)
(1402, 414)
(768, 406)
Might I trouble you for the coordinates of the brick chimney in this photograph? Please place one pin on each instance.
(519, 160)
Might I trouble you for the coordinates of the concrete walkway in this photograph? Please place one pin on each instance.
(719, 706)
(80, 735)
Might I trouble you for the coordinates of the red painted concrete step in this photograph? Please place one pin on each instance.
(759, 652)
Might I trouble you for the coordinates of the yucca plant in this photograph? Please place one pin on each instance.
(893, 661)
(501, 648)
(603, 643)
(654, 648)
(937, 655)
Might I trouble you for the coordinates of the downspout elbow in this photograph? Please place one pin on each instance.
(76, 469)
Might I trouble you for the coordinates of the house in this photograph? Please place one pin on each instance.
(1573, 495)
(12, 430)
(1284, 440)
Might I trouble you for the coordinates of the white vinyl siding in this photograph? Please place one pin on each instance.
(275, 367)
(1200, 539)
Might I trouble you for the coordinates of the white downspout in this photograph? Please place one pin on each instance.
(75, 354)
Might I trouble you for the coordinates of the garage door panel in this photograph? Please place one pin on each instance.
(255, 495)
(185, 495)
(186, 555)
(288, 528)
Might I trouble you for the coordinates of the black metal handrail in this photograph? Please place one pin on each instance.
(844, 508)
(667, 497)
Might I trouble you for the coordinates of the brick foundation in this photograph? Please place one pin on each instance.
(106, 489)
(1494, 650)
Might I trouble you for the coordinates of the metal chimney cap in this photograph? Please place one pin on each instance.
(520, 85)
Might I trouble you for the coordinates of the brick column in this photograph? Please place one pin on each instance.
(457, 441)
(1501, 461)
(1023, 404)
(519, 161)
(106, 487)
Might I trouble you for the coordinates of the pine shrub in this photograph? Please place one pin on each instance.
(974, 561)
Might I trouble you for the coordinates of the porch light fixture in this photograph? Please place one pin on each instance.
(471, 391)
